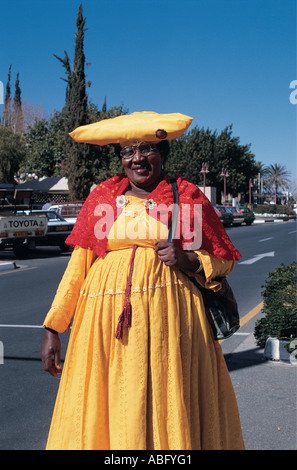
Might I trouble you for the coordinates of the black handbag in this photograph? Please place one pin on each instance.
(221, 306)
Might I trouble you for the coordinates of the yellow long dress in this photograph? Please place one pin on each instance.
(165, 385)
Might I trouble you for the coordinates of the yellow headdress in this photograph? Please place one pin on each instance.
(139, 126)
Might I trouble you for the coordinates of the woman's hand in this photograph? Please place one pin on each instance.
(51, 347)
(172, 256)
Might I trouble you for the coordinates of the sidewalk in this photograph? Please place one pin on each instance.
(261, 219)
(266, 396)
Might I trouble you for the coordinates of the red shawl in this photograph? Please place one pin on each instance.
(92, 218)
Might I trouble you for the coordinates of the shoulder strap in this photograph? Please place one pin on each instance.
(174, 210)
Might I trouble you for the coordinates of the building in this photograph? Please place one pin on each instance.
(54, 188)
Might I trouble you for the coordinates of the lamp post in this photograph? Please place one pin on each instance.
(250, 190)
(204, 170)
(275, 192)
(225, 174)
(60, 164)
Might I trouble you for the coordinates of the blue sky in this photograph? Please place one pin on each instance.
(220, 61)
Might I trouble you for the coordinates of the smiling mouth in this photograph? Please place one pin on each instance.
(141, 170)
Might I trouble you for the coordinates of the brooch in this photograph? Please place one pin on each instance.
(150, 204)
(121, 201)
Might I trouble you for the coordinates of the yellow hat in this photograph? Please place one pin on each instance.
(144, 126)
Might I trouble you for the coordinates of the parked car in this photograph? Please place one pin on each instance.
(58, 230)
(68, 210)
(248, 215)
(238, 218)
(225, 216)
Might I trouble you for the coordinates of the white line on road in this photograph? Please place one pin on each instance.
(21, 326)
(294, 231)
(257, 258)
(265, 239)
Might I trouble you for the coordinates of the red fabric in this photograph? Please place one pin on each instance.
(92, 216)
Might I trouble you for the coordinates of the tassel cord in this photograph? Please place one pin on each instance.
(125, 317)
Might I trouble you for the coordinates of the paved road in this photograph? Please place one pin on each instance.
(264, 391)
(270, 244)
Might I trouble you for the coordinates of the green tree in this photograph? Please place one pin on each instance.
(78, 164)
(105, 160)
(45, 140)
(7, 114)
(12, 153)
(17, 107)
(57, 132)
(40, 142)
(276, 177)
(217, 150)
(12, 113)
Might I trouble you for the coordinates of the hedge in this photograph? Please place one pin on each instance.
(279, 305)
(273, 209)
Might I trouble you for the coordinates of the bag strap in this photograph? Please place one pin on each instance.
(172, 228)
(174, 210)
(209, 297)
(174, 219)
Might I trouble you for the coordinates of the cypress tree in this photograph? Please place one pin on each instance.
(6, 118)
(17, 107)
(78, 156)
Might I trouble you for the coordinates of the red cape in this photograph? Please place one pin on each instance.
(92, 218)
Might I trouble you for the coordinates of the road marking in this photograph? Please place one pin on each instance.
(243, 320)
(294, 231)
(257, 258)
(265, 239)
(17, 270)
(21, 326)
(247, 318)
(251, 314)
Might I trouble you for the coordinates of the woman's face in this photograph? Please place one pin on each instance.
(143, 167)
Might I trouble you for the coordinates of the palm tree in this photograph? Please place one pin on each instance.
(277, 176)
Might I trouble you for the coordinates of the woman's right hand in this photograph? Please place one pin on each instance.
(51, 348)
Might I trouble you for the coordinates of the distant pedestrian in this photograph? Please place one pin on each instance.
(47, 205)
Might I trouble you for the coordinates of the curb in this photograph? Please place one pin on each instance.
(275, 351)
(263, 221)
(260, 219)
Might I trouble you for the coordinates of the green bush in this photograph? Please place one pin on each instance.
(280, 305)
(273, 209)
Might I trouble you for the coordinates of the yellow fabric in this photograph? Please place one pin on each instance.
(141, 126)
(62, 309)
(165, 386)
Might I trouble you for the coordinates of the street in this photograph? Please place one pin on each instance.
(28, 393)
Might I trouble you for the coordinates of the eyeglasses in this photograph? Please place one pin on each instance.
(144, 150)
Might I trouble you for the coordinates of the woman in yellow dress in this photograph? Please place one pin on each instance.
(142, 369)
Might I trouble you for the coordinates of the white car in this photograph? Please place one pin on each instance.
(68, 210)
(58, 230)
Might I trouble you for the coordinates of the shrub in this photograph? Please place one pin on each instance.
(273, 209)
(280, 306)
